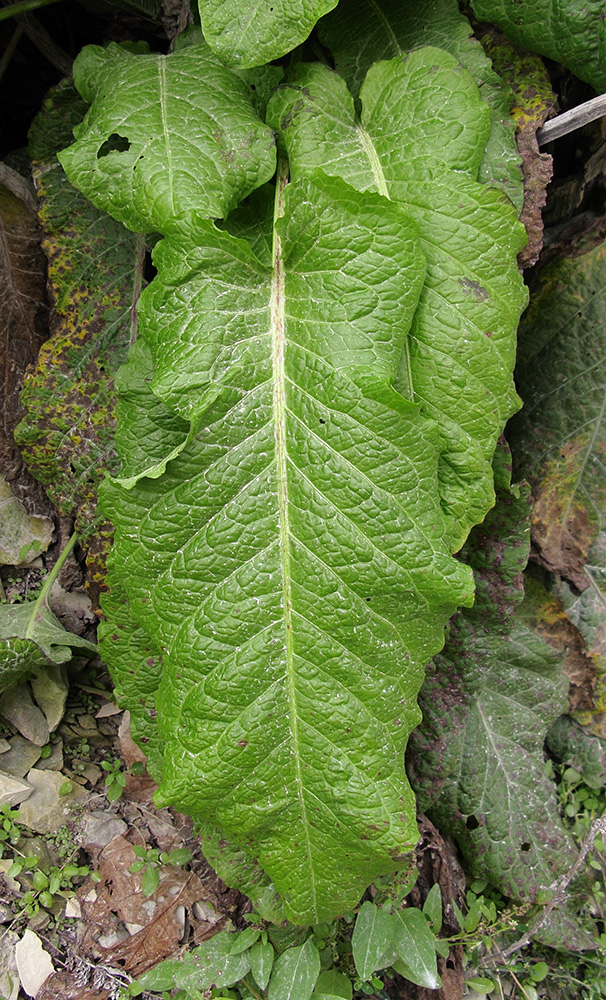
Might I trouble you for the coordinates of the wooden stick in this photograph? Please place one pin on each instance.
(573, 119)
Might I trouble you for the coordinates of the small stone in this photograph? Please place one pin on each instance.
(6, 914)
(34, 964)
(114, 937)
(133, 928)
(4, 746)
(37, 847)
(101, 827)
(19, 709)
(39, 921)
(13, 791)
(50, 691)
(92, 773)
(22, 756)
(10, 882)
(203, 910)
(87, 722)
(47, 809)
(9, 977)
(73, 909)
(107, 710)
(23, 535)
(73, 609)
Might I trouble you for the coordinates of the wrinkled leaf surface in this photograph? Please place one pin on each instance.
(559, 439)
(422, 145)
(244, 34)
(95, 274)
(167, 136)
(277, 567)
(362, 32)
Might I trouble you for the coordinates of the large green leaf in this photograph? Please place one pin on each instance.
(362, 32)
(559, 439)
(290, 560)
(166, 136)
(422, 146)
(572, 32)
(244, 34)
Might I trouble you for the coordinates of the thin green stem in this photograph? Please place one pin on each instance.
(46, 588)
(253, 991)
(23, 7)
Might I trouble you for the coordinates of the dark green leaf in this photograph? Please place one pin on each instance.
(371, 939)
(261, 962)
(414, 944)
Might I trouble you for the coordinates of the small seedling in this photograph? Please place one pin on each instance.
(115, 779)
(10, 832)
(150, 861)
(48, 882)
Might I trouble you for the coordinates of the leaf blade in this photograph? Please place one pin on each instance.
(372, 936)
(166, 136)
(307, 861)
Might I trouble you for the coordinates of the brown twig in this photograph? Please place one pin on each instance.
(10, 49)
(42, 40)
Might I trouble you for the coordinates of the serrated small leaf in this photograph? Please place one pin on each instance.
(243, 35)
(166, 136)
(371, 939)
(212, 964)
(414, 944)
(295, 973)
(261, 962)
(162, 976)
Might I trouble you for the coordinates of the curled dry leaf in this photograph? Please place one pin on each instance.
(151, 928)
(534, 103)
(22, 314)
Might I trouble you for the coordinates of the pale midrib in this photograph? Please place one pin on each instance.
(388, 28)
(381, 185)
(278, 338)
(165, 129)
